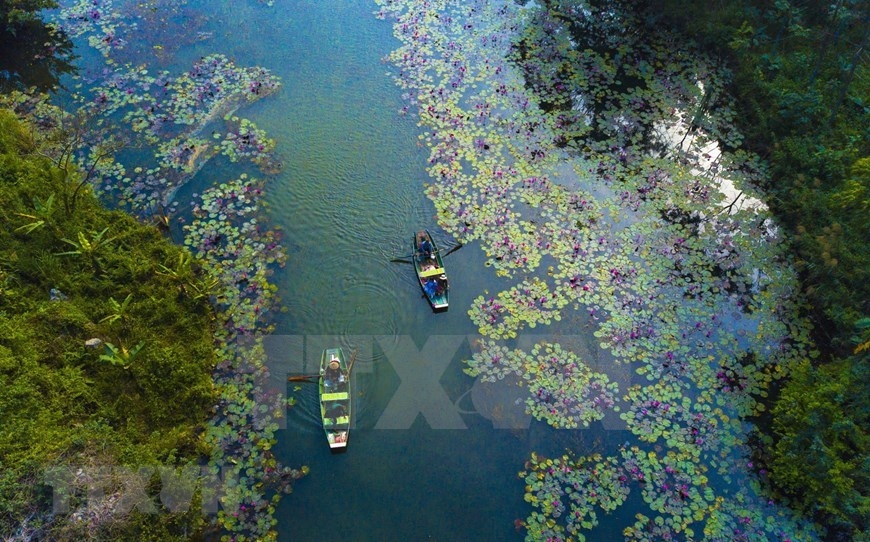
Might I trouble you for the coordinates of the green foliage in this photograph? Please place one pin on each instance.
(801, 82)
(34, 53)
(118, 309)
(14, 12)
(821, 455)
(121, 356)
(800, 76)
(66, 400)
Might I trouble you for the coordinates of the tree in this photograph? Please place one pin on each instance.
(63, 143)
(823, 446)
(15, 12)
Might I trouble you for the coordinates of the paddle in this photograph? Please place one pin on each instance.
(451, 250)
(454, 249)
(351, 362)
(302, 378)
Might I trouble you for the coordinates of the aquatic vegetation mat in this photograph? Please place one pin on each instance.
(575, 150)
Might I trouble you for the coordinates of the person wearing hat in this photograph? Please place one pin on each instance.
(441, 284)
(333, 375)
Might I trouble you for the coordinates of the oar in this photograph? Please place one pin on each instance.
(302, 378)
(352, 360)
(454, 249)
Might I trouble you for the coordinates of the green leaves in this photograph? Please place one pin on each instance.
(821, 421)
(565, 493)
(143, 394)
(181, 270)
(563, 391)
(606, 164)
(121, 356)
(85, 246)
(118, 310)
(43, 210)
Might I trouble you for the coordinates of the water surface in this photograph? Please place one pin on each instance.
(349, 199)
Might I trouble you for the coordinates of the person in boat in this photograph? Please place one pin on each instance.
(441, 284)
(337, 411)
(426, 248)
(430, 287)
(332, 375)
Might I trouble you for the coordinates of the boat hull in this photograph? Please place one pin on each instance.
(429, 267)
(335, 405)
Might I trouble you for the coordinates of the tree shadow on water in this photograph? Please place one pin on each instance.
(33, 54)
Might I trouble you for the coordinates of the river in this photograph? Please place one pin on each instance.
(434, 454)
(349, 199)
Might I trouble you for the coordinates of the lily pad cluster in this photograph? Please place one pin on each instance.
(746, 518)
(567, 491)
(96, 19)
(673, 485)
(163, 111)
(563, 391)
(183, 154)
(242, 435)
(662, 413)
(677, 489)
(238, 256)
(586, 150)
(239, 252)
(530, 302)
(168, 119)
(246, 141)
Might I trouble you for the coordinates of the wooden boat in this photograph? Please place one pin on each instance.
(430, 270)
(335, 397)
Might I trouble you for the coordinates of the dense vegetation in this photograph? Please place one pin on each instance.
(105, 354)
(799, 79)
(801, 89)
(800, 76)
(144, 330)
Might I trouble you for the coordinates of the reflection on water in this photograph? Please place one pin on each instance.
(34, 54)
(433, 453)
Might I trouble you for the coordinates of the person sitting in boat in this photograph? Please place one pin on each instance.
(336, 411)
(441, 284)
(426, 248)
(430, 287)
(333, 376)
